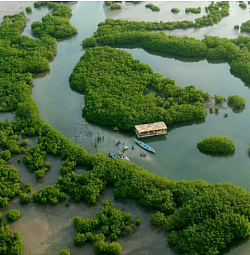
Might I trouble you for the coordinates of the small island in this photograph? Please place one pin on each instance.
(216, 144)
(153, 7)
(236, 101)
(175, 10)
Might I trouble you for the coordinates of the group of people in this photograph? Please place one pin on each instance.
(98, 139)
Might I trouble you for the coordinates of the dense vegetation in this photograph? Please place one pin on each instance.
(112, 223)
(56, 25)
(28, 9)
(193, 10)
(175, 10)
(116, 88)
(236, 101)
(219, 99)
(216, 144)
(13, 215)
(115, 6)
(64, 252)
(243, 5)
(135, 34)
(9, 244)
(153, 7)
(10, 183)
(245, 26)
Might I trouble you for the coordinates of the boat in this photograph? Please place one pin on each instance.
(144, 146)
(112, 155)
(124, 157)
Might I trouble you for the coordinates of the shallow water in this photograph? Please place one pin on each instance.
(48, 229)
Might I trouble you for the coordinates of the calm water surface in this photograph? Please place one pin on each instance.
(176, 154)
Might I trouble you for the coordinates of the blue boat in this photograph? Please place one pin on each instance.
(144, 146)
(112, 155)
(122, 156)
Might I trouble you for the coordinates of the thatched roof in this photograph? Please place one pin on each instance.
(150, 127)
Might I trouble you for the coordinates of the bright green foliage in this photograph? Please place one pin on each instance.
(216, 144)
(11, 245)
(245, 26)
(153, 7)
(113, 248)
(112, 222)
(56, 25)
(115, 95)
(193, 10)
(158, 218)
(13, 215)
(64, 252)
(115, 6)
(34, 159)
(5, 155)
(45, 3)
(216, 108)
(236, 101)
(61, 10)
(137, 221)
(89, 42)
(28, 9)
(108, 3)
(9, 185)
(219, 99)
(24, 198)
(210, 236)
(243, 5)
(50, 194)
(40, 3)
(175, 10)
(224, 217)
(236, 26)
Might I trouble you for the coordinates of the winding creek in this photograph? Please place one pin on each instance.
(176, 154)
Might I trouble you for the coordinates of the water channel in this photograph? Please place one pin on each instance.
(177, 156)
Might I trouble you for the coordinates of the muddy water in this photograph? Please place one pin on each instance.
(48, 229)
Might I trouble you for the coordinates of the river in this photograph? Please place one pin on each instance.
(177, 156)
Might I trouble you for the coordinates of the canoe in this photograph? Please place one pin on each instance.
(144, 146)
(112, 155)
(124, 157)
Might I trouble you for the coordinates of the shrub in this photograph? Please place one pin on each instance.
(13, 215)
(24, 198)
(64, 252)
(236, 26)
(108, 3)
(137, 221)
(80, 239)
(218, 99)
(153, 7)
(158, 219)
(175, 10)
(115, 6)
(28, 9)
(193, 10)
(236, 101)
(216, 144)
(5, 155)
(216, 109)
(89, 42)
(243, 5)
